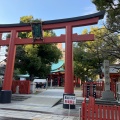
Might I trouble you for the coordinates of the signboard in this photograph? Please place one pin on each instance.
(37, 31)
(69, 99)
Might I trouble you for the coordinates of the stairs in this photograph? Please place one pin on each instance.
(19, 97)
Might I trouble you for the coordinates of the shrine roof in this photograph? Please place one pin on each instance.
(23, 75)
(113, 69)
(57, 66)
(98, 14)
(58, 70)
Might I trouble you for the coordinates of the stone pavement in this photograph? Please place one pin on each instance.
(42, 106)
(33, 116)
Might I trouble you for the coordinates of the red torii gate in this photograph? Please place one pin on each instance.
(68, 24)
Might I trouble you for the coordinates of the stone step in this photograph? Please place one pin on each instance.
(106, 102)
(19, 97)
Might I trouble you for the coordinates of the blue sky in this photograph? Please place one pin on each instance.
(12, 10)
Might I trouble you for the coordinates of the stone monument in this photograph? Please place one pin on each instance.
(107, 94)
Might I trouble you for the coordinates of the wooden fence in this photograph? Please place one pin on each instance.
(92, 111)
(95, 89)
(24, 86)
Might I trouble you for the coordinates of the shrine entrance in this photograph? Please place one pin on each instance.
(68, 38)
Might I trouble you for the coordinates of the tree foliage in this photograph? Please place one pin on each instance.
(112, 8)
(89, 56)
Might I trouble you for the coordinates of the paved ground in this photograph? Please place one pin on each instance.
(40, 106)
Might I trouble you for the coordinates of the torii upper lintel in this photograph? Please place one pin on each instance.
(55, 24)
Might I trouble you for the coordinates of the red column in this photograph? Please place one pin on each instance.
(68, 61)
(10, 63)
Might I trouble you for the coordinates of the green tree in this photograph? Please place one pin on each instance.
(36, 59)
(89, 56)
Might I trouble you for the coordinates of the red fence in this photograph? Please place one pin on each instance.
(95, 89)
(92, 111)
(24, 86)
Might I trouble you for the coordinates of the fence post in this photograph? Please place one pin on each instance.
(83, 109)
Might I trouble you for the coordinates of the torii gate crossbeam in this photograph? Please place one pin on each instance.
(68, 24)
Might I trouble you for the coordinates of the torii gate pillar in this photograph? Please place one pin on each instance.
(69, 62)
(69, 87)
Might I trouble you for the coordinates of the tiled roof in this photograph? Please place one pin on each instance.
(56, 66)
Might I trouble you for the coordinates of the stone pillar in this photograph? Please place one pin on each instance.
(107, 94)
(32, 87)
(106, 75)
(17, 90)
